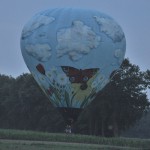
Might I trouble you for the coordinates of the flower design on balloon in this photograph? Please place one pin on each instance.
(50, 75)
(62, 79)
(94, 84)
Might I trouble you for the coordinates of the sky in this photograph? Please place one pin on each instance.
(132, 15)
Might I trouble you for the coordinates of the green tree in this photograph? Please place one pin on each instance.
(140, 129)
(6, 83)
(120, 104)
(28, 108)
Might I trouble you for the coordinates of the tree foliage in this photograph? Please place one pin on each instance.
(26, 107)
(140, 129)
(120, 104)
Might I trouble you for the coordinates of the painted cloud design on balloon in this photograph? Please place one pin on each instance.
(110, 28)
(35, 24)
(76, 41)
(119, 54)
(41, 52)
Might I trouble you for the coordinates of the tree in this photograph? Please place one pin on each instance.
(6, 83)
(28, 108)
(140, 129)
(120, 104)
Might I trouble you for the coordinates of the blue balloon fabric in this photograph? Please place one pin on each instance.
(71, 53)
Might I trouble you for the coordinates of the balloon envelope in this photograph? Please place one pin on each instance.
(71, 53)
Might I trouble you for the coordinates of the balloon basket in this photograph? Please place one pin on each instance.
(70, 116)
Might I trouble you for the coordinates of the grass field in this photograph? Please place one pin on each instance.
(29, 140)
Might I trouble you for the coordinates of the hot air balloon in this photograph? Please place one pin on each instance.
(71, 53)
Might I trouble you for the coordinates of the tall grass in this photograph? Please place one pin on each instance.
(72, 138)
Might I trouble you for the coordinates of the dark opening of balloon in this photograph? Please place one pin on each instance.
(70, 115)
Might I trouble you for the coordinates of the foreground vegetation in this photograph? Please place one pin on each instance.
(23, 140)
(19, 145)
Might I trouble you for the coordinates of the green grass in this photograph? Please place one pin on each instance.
(27, 140)
(36, 145)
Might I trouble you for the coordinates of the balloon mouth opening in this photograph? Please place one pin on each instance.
(70, 115)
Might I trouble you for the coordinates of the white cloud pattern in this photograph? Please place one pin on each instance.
(110, 28)
(41, 52)
(119, 54)
(35, 24)
(76, 41)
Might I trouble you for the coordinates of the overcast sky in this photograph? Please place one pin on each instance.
(132, 15)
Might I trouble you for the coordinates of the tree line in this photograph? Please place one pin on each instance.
(116, 108)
